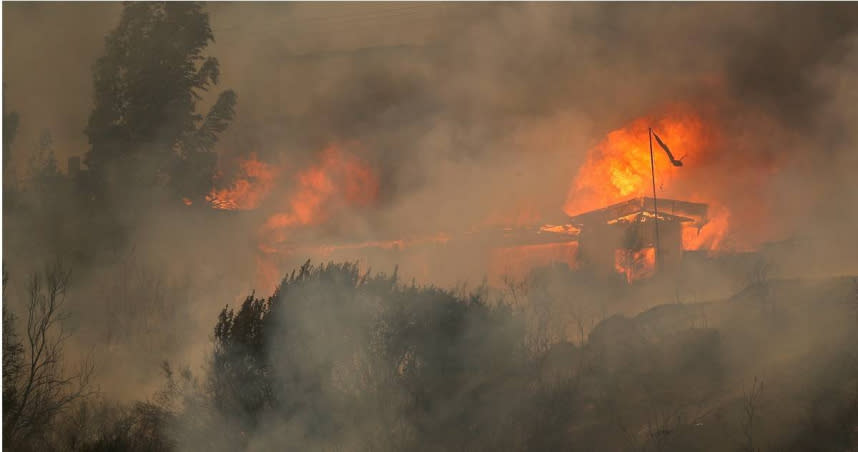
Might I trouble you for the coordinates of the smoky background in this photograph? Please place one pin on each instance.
(465, 113)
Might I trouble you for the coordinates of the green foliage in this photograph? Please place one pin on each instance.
(144, 129)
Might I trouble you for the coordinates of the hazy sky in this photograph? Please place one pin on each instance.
(468, 112)
(49, 49)
(503, 100)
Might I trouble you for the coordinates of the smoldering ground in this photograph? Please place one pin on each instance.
(463, 112)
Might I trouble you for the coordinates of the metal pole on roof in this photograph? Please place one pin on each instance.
(655, 206)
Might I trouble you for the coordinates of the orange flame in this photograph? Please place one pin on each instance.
(635, 264)
(249, 190)
(711, 236)
(339, 179)
(618, 168)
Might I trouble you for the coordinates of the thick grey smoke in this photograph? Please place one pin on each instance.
(520, 92)
(465, 112)
(452, 102)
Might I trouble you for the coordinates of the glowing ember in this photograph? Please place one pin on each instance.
(566, 229)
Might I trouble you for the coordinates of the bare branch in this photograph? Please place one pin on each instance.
(42, 389)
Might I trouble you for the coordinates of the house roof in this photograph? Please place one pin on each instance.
(668, 209)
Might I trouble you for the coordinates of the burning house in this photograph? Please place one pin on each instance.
(608, 226)
(636, 237)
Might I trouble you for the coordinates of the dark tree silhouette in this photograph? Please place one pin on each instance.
(145, 130)
(36, 387)
(335, 348)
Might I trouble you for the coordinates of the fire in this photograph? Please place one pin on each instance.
(618, 168)
(255, 181)
(712, 235)
(566, 229)
(635, 264)
(338, 180)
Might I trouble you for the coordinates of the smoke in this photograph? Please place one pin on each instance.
(467, 116)
(492, 117)
(449, 104)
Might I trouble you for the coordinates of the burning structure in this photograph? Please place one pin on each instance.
(636, 237)
(608, 227)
